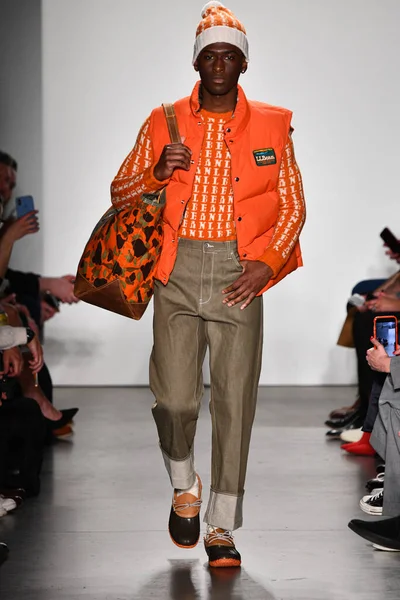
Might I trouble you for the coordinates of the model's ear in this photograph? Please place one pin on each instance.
(196, 66)
(245, 64)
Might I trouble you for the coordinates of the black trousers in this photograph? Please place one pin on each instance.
(22, 434)
(363, 329)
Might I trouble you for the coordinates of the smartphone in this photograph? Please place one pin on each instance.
(24, 205)
(385, 331)
(390, 240)
(52, 301)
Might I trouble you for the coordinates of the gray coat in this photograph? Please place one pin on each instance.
(385, 437)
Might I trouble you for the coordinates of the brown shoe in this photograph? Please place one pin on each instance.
(221, 549)
(184, 519)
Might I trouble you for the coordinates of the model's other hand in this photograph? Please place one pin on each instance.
(254, 278)
(173, 156)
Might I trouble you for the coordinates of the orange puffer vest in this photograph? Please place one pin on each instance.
(255, 126)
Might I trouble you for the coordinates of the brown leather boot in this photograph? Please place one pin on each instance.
(221, 549)
(184, 519)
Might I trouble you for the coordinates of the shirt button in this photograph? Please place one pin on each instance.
(244, 255)
(239, 218)
(228, 131)
(237, 179)
(182, 202)
(192, 162)
(231, 141)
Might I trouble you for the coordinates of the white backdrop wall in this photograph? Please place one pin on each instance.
(21, 110)
(107, 63)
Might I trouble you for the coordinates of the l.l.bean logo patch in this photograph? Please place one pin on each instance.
(264, 157)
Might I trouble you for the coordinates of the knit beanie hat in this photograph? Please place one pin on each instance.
(219, 24)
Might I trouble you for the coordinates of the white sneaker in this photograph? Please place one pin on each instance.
(378, 547)
(373, 503)
(7, 504)
(351, 435)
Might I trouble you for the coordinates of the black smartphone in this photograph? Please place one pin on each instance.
(52, 301)
(390, 240)
(385, 331)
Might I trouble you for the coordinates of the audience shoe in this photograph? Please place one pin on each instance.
(64, 433)
(13, 493)
(351, 435)
(184, 519)
(361, 448)
(334, 434)
(338, 413)
(3, 552)
(373, 503)
(383, 534)
(375, 483)
(3, 511)
(220, 548)
(380, 469)
(344, 421)
(8, 504)
(66, 417)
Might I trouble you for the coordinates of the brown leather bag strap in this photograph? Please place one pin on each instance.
(172, 123)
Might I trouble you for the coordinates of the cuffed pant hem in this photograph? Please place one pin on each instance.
(224, 511)
(181, 472)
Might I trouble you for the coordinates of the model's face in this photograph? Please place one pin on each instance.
(220, 66)
(8, 178)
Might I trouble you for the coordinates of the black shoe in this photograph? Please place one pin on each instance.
(380, 469)
(184, 519)
(221, 549)
(376, 483)
(354, 417)
(384, 533)
(66, 417)
(372, 504)
(3, 553)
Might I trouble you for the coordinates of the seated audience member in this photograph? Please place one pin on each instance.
(384, 534)
(22, 427)
(30, 292)
(382, 299)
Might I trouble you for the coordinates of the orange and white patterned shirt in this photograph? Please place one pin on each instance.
(209, 212)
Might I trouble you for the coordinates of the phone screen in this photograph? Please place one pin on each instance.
(386, 334)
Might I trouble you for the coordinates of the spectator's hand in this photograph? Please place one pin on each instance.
(377, 357)
(36, 350)
(12, 362)
(10, 299)
(47, 312)
(60, 287)
(393, 255)
(26, 225)
(173, 156)
(384, 303)
(254, 278)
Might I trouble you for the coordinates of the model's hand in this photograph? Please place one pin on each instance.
(36, 350)
(173, 156)
(254, 278)
(28, 224)
(384, 303)
(12, 362)
(377, 357)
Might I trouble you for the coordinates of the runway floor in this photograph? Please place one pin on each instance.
(98, 530)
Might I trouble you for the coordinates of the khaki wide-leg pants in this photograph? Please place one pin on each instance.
(189, 316)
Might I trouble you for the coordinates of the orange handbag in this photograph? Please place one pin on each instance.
(117, 267)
